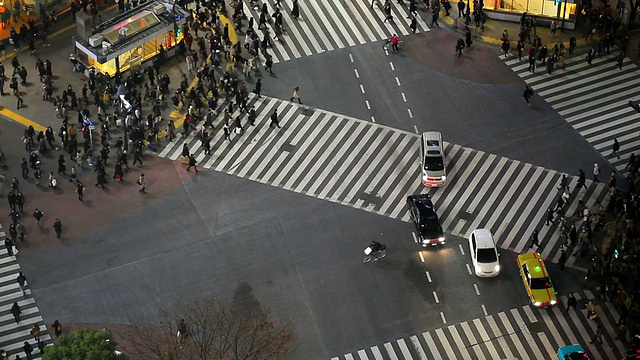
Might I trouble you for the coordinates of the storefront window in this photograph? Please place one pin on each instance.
(547, 8)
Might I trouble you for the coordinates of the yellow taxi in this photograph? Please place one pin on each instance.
(536, 280)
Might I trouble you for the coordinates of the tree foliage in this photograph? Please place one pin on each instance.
(83, 344)
(239, 330)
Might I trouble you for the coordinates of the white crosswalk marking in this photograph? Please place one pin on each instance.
(325, 26)
(372, 167)
(520, 333)
(15, 334)
(594, 99)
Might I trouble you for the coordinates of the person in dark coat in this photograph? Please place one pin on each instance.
(295, 9)
(15, 311)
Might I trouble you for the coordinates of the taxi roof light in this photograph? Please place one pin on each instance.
(537, 268)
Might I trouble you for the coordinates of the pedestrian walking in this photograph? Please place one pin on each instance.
(258, 88)
(14, 216)
(296, 94)
(192, 163)
(563, 259)
(13, 232)
(57, 227)
(142, 182)
(615, 148)
(597, 335)
(22, 282)
(620, 60)
(274, 119)
(101, 180)
(80, 190)
(15, 311)
(25, 168)
(227, 132)
(596, 172)
(137, 157)
(252, 115)
(28, 349)
(528, 93)
(20, 201)
(268, 64)
(534, 239)
(295, 10)
(461, 6)
(171, 130)
(57, 328)
(572, 302)
(11, 198)
(581, 179)
(550, 216)
(35, 332)
(21, 232)
(62, 168)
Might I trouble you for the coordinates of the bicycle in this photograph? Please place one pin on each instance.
(370, 255)
(387, 44)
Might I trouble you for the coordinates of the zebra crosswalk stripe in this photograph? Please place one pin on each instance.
(15, 334)
(593, 99)
(519, 333)
(373, 167)
(326, 26)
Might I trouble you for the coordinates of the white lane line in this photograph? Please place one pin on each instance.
(418, 347)
(461, 249)
(398, 81)
(390, 351)
(415, 238)
(391, 64)
(362, 88)
(431, 345)
(444, 320)
(415, 128)
(404, 98)
(368, 105)
(428, 276)
(356, 71)
(351, 57)
(410, 113)
(376, 353)
(484, 310)
(469, 269)
(363, 355)
(421, 256)
(435, 296)
(373, 120)
(475, 286)
(404, 349)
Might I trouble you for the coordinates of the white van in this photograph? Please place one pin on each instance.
(432, 162)
(484, 254)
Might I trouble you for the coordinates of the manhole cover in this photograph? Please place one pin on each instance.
(287, 147)
(466, 216)
(307, 112)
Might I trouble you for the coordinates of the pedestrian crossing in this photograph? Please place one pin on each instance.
(373, 167)
(521, 333)
(594, 99)
(12, 335)
(330, 25)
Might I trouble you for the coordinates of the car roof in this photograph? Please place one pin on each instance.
(569, 349)
(484, 239)
(533, 260)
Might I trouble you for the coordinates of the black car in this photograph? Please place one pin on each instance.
(426, 220)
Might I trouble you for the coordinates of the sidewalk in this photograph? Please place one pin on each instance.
(493, 30)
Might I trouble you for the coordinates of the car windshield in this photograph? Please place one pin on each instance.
(487, 256)
(433, 163)
(540, 283)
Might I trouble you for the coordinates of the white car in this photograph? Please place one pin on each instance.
(484, 255)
